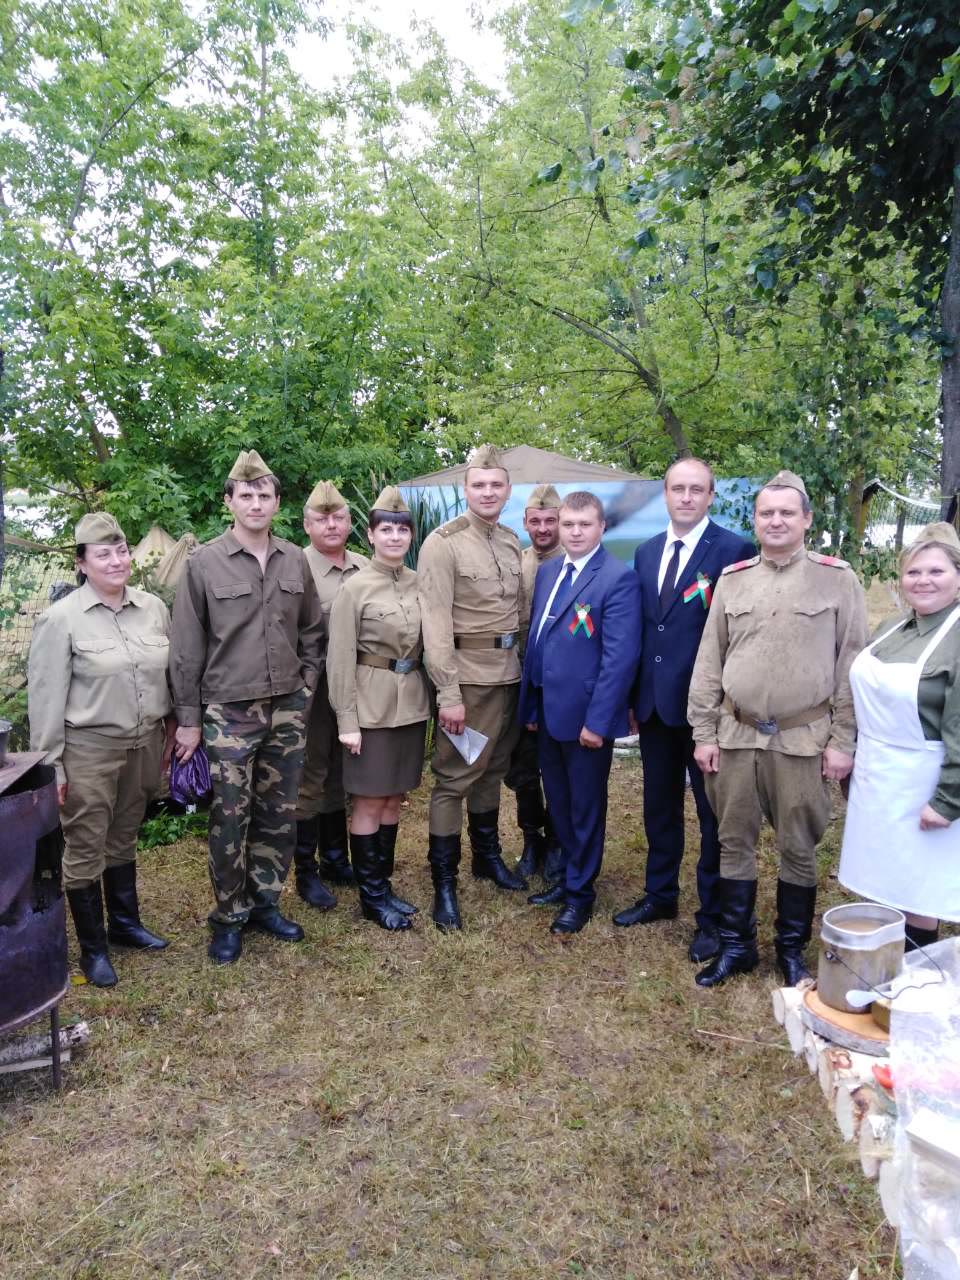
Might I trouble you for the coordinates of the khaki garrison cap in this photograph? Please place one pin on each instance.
(326, 497)
(391, 499)
(486, 456)
(544, 498)
(787, 480)
(98, 526)
(940, 531)
(249, 466)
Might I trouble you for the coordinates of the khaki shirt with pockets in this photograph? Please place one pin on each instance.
(469, 579)
(779, 641)
(97, 673)
(240, 634)
(377, 611)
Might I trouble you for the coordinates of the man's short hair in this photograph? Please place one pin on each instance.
(700, 463)
(805, 506)
(230, 485)
(580, 500)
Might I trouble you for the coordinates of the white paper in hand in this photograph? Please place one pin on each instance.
(469, 743)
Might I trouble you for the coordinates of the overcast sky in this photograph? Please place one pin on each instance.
(321, 61)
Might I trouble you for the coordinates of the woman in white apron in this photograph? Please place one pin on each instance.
(901, 843)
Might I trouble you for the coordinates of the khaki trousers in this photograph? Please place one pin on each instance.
(108, 789)
(789, 791)
(321, 787)
(491, 709)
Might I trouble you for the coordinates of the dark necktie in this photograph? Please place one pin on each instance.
(670, 578)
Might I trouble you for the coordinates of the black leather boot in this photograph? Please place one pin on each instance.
(792, 929)
(388, 847)
(917, 937)
(124, 928)
(306, 872)
(738, 933)
(554, 864)
(369, 872)
(444, 859)
(86, 907)
(334, 862)
(226, 943)
(530, 820)
(487, 862)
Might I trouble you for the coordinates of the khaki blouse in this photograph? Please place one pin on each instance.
(97, 674)
(376, 611)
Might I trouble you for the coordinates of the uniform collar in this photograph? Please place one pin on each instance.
(325, 565)
(927, 622)
(481, 525)
(798, 555)
(388, 572)
(88, 598)
(233, 545)
(548, 555)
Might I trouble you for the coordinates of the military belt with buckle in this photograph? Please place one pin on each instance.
(402, 666)
(772, 726)
(487, 641)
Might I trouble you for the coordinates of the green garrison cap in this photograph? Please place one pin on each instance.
(487, 456)
(787, 480)
(544, 498)
(326, 497)
(98, 526)
(939, 531)
(249, 466)
(391, 499)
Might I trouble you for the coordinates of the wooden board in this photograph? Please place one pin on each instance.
(851, 1030)
(16, 765)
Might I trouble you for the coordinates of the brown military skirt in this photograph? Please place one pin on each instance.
(390, 761)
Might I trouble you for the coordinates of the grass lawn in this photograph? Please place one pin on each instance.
(494, 1103)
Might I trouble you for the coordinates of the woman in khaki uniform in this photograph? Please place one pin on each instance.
(378, 689)
(98, 697)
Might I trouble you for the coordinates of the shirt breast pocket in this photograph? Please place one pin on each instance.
(232, 590)
(293, 586)
(93, 658)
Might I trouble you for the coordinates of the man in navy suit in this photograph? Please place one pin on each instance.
(581, 659)
(677, 571)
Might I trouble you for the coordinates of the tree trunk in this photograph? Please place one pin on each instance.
(3, 519)
(950, 369)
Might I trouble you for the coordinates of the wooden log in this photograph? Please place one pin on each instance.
(843, 1066)
(856, 1031)
(32, 1064)
(888, 1184)
(813, 1047)
(794, 1028)
(852, 1104)
(28, 1048)
(876, 1141)
(784, 998)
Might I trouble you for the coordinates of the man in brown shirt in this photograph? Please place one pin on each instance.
(541, 851)
(321, 804)
(247, 647)
(772, 716)
(471, 605)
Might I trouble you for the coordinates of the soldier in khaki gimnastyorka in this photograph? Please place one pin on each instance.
(541, 852)
(471, 602)
(321, 804)
(247, 649)
(772, 716)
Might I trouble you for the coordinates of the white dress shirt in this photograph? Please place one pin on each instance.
(577, 569)
(689, 541)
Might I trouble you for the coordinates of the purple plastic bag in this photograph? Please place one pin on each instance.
(190, 783)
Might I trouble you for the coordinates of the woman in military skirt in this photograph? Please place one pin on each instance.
(378, 690)
(98, 698)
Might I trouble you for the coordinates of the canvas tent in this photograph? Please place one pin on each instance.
(528, 465)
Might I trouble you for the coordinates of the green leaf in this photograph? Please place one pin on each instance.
(811, 6)
(770, 101)
(764, 66)
(939, 85)
(633, 60)
(645, 239)
(550, 172)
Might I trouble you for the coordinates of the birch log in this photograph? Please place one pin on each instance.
(813, 1047)
(785, 998)
(851, 1106)
(888, 1184)
(28, 1048)
(876, 1141)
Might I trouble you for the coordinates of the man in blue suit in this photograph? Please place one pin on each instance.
(677, 571)
(581, 660)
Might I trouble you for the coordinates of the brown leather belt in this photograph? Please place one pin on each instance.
(400, 665)
(775, 726)
(487, 641)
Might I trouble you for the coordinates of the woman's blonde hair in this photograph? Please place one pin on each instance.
(938, 536)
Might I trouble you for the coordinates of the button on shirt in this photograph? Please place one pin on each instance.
(96, 672)
(577, 570)
(240, 633)
(689, 545)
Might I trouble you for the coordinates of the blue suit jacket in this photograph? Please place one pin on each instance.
(671, 640)
(586, 678)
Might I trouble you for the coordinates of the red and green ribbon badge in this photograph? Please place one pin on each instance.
(582, 621)
(701, 588)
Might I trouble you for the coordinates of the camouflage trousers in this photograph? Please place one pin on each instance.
(256, 757)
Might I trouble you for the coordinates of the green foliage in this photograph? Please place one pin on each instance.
(167, 828)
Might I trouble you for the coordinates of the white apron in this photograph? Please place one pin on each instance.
(885, 855)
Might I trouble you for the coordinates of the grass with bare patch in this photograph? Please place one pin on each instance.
(494, 1103)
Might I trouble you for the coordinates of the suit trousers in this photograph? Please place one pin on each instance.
(491, 709)
(575, 781)
(321, 787)
(667, 754)
(789, 791)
